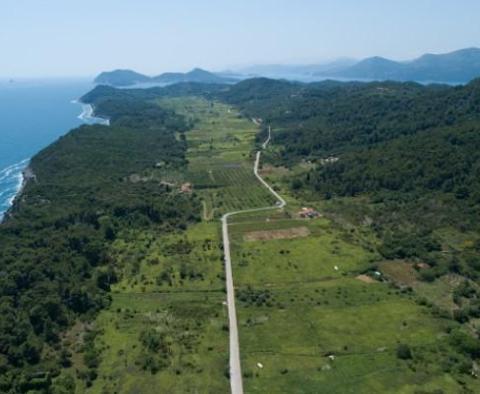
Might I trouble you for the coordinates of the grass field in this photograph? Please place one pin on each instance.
(308, 325)
(171, 291)
(193, 324)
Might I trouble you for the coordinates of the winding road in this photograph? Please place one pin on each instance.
(236, 383)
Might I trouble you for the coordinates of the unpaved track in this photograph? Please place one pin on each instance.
(236, 383)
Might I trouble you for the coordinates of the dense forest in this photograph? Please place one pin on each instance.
(56, 269)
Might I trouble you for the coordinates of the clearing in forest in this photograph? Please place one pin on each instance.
(310, 323)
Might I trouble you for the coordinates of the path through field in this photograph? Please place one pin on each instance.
(236, 383)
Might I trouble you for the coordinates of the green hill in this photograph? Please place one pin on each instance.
(127, 78)
(121, 78)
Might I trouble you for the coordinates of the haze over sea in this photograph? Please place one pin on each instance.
(33, 114)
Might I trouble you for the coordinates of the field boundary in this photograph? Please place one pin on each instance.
(236, 383)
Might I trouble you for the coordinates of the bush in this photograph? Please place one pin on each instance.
(404, 352)
(460, 315)
(465, 343)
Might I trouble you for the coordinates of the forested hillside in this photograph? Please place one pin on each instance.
(83, 192)
(129, 77)
(410, 151)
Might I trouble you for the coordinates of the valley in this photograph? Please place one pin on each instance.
(327, 294)
(312, 310)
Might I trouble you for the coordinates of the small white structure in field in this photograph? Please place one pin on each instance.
(331, 357)
(260, 365)
(335, 268)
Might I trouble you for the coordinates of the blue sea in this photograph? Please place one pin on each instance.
(33, 114)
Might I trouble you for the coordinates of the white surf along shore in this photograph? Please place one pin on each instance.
(14, 177)
(88, 114)
(11, 182)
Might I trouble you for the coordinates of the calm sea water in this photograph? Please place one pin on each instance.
(33, 114)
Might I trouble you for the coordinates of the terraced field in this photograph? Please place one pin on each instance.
(220, 155)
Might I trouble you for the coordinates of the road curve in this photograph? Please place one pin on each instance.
(236, 383)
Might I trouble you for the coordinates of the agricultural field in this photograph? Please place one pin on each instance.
(167, 323)
(314, 314)
(318, 308)
(220, 157)
(166, 329)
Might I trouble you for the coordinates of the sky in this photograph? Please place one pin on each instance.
(48, 38)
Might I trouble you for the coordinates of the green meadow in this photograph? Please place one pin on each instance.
(165, 330)
(310, 323)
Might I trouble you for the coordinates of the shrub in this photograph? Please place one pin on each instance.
(404, 352)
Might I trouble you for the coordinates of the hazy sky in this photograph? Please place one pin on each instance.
(83, 37)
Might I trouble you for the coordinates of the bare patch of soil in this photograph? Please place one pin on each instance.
(268, 169)
(289, 233)
(366, 279)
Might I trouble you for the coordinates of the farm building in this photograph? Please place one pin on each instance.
(186, 188)
(309, 213)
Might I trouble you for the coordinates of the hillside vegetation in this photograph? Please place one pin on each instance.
(412, 150)
(57, 267)
(112, 276)
(129, 77)
(395, 167)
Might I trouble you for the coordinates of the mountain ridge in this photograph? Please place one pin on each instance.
(459, 66)
(126, 77)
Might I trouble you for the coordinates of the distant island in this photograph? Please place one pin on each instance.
(456, 67)
(129, 78)
(452, 68)
(460, 66)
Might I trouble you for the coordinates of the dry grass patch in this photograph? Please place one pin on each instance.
(366, 279)
(267, 235)
(399, 271)
(268, 169)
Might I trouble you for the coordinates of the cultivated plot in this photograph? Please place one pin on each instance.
(310, 322)
(220, 157)
(165, 330)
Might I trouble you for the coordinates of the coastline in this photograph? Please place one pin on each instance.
(23, 173)
(88, 114)
(18, 172)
